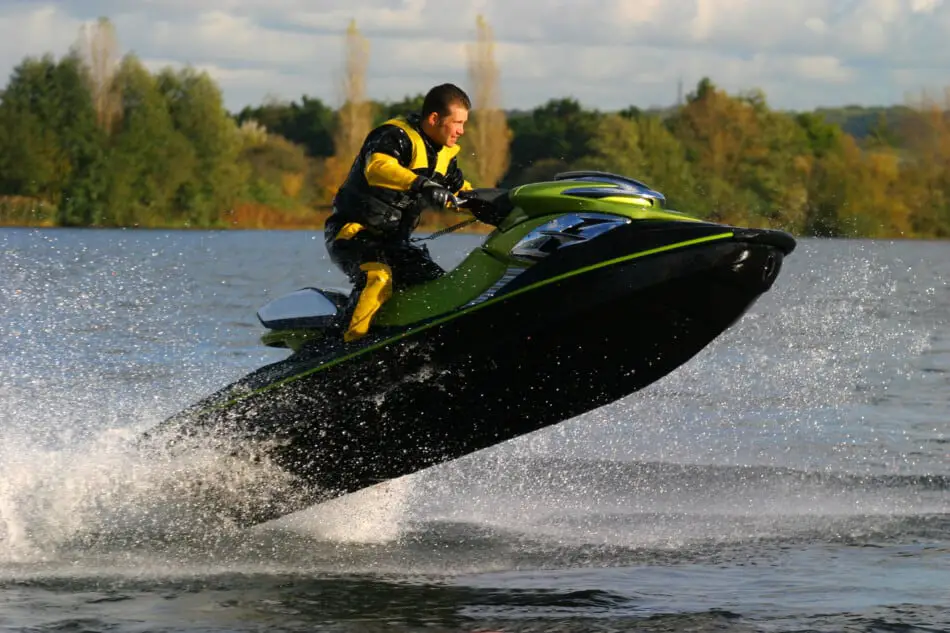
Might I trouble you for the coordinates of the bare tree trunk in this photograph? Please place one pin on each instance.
(355, 113)
(99, 49)
(490, 134)
(355, 116)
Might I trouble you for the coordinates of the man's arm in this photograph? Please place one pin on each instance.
(384, 161)
(455, 179)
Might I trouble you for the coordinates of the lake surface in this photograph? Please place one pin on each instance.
(794, 476)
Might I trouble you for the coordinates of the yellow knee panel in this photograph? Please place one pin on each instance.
(377, 291)
(349, 230)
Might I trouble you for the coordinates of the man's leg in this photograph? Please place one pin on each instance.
(362, 259)
(371, 289)
(385, 267)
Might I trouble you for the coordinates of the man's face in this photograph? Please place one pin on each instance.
(447, 130)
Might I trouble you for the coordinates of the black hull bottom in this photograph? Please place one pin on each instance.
(526, 363)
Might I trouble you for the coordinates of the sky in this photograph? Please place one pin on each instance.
(608, 54)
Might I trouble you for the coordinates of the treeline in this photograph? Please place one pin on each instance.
(92, 139)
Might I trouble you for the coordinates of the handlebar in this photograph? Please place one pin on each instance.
(456, 201)
(461, 199)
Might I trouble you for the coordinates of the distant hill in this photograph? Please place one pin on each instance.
(856, 120)
(861, 121)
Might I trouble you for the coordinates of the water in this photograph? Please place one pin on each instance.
(795, 476)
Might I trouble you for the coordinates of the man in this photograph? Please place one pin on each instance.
(404, 165)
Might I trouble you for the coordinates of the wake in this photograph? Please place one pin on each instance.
(103, 494)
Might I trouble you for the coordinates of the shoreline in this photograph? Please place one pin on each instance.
(305, 220)
(255, 217)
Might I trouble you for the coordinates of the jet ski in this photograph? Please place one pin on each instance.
(587, 290)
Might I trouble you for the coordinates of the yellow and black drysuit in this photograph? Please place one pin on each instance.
(378, 207)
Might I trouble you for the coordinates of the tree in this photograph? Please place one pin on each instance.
(557, 132)
(51, 147)
(32, 162)
(408, 105)
(91, 140)
(85, 144)
(822, 136)
(98, 48)
(615, 147)
(309, 123)
(489, 129)
(753, 162)
(150, 161)
(665, 166)
(280, 172)
(925, 166)
(355, 116)
(196, 107)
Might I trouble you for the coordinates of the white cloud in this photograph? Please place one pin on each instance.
(226, 37)
(817, 25)
(607, 53)
(822, 68)
(925, 6)
(34, 31)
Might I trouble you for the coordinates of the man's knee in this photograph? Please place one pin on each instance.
(373, 289)
(349, 247)
(379, 276)
(348, 231)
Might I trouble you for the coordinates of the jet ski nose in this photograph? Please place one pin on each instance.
(775, 238)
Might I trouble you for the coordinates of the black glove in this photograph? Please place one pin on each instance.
(432, 194)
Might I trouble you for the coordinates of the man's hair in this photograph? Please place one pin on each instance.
(440, 98)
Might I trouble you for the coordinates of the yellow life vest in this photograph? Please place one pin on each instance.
(420, 158)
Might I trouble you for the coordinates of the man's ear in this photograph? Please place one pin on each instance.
(433, 119)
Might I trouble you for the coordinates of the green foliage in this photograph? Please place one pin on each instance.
(823, 137)
(152, 165)
(308, 123)
(197, 113)
(50, 147)
(666, 168)
(410, 104)
(176, 157)
(560, 130)
(282, 175)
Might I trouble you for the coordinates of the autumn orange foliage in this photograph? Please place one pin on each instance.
(25, 211)
(249, 215)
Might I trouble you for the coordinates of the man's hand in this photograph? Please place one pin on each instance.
(433, 194)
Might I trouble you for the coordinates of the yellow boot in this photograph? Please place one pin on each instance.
(375, 293)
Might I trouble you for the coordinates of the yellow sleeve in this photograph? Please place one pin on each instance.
(383, 170)
(466, 186)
